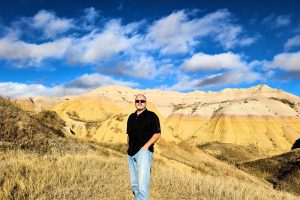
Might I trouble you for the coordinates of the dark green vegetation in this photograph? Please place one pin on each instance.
(283, 171)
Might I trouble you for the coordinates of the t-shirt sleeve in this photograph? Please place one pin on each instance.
(156, 124)
(127, 130)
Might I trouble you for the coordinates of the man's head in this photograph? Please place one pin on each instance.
(140, 102)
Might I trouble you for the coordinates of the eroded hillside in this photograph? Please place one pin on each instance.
(261, 116)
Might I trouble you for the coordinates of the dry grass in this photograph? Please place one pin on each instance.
(19, 129)
(41, 132)
(283, 171)
(198, 161)
(87, 176)
(93, 176)
(232, 153)
(185, 155)
(52, 120)
(118, 147)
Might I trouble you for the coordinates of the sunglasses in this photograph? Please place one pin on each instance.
(140, 101)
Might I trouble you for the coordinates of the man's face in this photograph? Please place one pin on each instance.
(140, 102)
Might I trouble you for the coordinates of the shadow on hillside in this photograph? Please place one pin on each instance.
(296, 145)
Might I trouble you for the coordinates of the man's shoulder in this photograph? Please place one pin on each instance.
(152, 113)
(131, 115)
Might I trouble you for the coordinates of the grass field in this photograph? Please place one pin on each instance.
(27, 175)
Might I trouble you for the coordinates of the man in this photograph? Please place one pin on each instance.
(143, 129)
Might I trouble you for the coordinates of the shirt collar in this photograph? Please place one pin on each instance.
(141, 112)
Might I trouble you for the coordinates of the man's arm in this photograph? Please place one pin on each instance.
(152, 140)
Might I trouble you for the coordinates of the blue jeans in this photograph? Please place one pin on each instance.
(139, 170)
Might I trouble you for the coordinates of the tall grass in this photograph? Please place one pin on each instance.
(25, 175)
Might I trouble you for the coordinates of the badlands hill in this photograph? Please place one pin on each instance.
(42, 132)
(260, 116)
(45, 132)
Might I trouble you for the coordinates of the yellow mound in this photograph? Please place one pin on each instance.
(101, 119)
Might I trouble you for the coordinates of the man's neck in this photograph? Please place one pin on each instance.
(140, 111)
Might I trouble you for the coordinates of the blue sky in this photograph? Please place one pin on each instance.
(69, 47)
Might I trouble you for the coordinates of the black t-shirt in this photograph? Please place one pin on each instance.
(140, 128)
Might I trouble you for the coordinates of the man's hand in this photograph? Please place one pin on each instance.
(152, 140)
(145, 148)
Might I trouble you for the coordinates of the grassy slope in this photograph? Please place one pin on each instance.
(283, 171)
(19, 129)
(232, 153)
(103, 176)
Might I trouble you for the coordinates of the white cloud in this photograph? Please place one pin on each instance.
(91, 14)
(79, 85)
(92, 48)
(141, 67)
(286, 61)
(137, 51)
(146, 67)
(201, 61)
(247, 41)
(90, 81)
(292, 42)
(277, 21)
(95, 47)
(18, 50)
(12, 89)
(89, 21)
(183, 83)
(177, 33)
(174, 33)
(283, 20)
(228, 78)
(50, 24)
